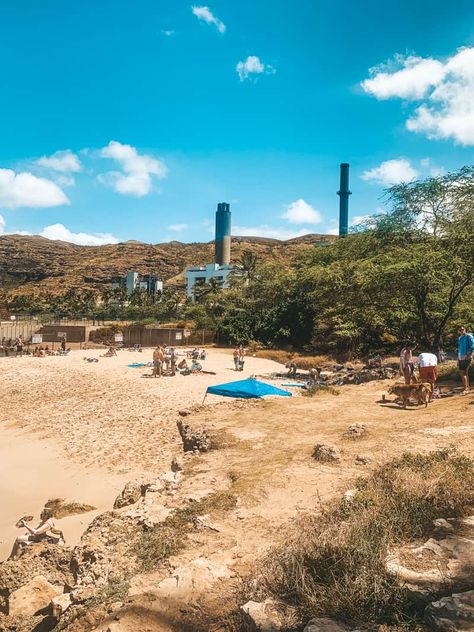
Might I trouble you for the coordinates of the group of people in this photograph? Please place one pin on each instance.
(239, 358)
(166, 362)
(428, 362)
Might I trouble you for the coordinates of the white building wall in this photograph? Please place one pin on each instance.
(206, 273)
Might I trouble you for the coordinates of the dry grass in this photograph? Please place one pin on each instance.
(334, 564)
(169, 537)
(320, 389)
(304, 362)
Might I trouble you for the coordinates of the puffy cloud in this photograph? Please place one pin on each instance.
(269, 231)
(2, 225)
(63, 161)
(444, 89)
(59, 231)
(391, 172)
(206, 15)
(253, 66)
(177, 228)
(300, 212)
(137, 169)
(25, 189)
(411, 81)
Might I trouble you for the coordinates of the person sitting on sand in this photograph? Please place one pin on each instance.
(196, 367)
(183, 365)
(45, 531)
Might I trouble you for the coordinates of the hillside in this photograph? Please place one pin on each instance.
(35, 263)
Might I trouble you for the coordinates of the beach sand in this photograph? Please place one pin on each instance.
(79, 430)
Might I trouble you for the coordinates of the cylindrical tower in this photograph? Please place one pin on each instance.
(222, 239)
(343, 194)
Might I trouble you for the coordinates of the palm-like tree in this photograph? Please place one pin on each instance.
(246, 266)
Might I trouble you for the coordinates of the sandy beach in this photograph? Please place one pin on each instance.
(76, 429)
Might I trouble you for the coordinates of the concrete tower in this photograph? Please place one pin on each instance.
(222, 239)
(343, 194)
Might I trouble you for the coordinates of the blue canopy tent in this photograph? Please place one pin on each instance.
(246, 389)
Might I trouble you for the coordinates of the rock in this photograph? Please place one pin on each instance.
(177, 464)
(323, 624)
(361, 460)
(451, 614)
(184, 413)
(356, 431)
(325, 453)
(261, 616)
(194, 439)
(131, 493)
(33, 596)
(443, 526)
(191, 580)
(60, 604)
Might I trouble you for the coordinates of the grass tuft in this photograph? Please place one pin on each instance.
(334, 564)
(320, 389)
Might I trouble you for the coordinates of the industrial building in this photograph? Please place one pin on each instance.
(221, 268)
(135, 281)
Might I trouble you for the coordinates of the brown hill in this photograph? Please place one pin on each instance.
(37, 264)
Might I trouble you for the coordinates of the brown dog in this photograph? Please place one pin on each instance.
(421, 391)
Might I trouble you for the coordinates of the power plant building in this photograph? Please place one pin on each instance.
(221, 268)
(135, 281)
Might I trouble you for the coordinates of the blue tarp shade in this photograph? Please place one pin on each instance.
(246, 389)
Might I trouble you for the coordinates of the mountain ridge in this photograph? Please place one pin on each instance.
(30, 263)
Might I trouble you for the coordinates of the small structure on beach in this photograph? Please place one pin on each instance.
(246, 389)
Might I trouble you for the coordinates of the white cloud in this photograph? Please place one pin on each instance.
(359, 219)
(253, 66)
(137, 169)
(2, 225)
(391, 172)
(300, 212)
(444, 90)
(411, 81)
(269, 231)
(206, 15)
(62, 161)
(433, 170)
(25, 189)
(169, 33)
(177, 228)
(59, 231)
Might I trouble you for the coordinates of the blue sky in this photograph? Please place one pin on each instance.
(160, 109)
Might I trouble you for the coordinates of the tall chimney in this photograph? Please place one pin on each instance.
(222, 239)
(343, 194)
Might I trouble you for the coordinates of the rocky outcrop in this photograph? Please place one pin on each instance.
(131, 493)
(323, 624)
(261, 616)
(452, 614)
(355, 431)
(326, 453)
(34, 596)
(194, 438)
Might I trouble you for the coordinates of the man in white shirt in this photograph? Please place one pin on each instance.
(428, 365)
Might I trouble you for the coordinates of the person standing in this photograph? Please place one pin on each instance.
(465, 350)
(428, 367)
(407, 366)
(19, 346)
(236, 358)
(158, 357)
(241, 358)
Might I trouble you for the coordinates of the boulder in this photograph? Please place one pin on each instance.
(451, 614)
(355, 431)
(131, 493)
(325, 453)
(261, 616)
(193, 438)
(32, 597)
(60, 604)
(323, 624)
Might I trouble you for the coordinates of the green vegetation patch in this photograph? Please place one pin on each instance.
(334, 564)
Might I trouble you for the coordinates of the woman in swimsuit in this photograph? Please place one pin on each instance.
(45, 531)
